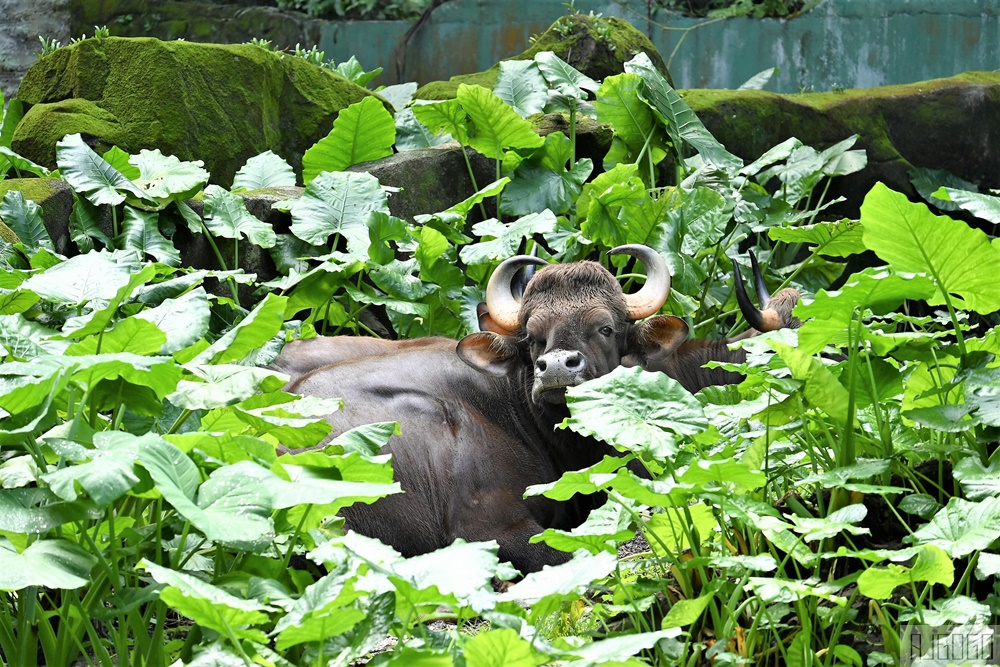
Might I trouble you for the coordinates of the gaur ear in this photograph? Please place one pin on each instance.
(488, 352)
(657, 338)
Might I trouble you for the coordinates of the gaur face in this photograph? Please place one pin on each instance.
(573, 324)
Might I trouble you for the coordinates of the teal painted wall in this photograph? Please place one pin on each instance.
(839, 44)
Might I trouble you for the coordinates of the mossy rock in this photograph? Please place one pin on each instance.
(598, 47)
(951, 124)
(55, 197)
(219, 103)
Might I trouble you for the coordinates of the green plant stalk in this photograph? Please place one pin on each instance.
(293, 540)
(222, 262)
(472, 177)
(181, 418)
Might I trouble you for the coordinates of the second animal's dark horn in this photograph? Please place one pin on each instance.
(651, 296)
(760, 319)
(500, 301)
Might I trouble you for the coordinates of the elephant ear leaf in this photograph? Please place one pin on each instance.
(913, 240)
(497, 126)
(682, 124)
(521, 85)
(363, 131)
(266, 170)
(24, 217)
(91, 175)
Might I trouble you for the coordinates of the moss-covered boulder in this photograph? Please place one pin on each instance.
(951, 124)
(596, 46)
(217, 103)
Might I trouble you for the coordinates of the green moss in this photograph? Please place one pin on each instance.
(596, 46)
(7, 234)
(38, 190)
(219, 103)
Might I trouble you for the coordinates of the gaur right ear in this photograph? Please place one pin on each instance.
(656, 338)
(488, 352)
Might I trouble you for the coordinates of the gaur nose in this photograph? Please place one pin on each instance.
(561, 361)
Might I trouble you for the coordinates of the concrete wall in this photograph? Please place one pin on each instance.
(839, 44)
(21, 22)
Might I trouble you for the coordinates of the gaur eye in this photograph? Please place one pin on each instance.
(607, 331)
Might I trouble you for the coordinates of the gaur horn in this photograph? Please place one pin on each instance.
(651, 296)
(760, 319)
(500, 301)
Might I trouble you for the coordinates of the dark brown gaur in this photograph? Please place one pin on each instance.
(478, 417)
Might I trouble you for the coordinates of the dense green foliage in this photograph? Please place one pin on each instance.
(144, 513)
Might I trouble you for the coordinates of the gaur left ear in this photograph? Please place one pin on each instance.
(488, 352)
(657, 338)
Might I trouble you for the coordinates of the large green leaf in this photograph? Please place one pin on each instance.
(497, 127)
(962, 527)
(443, 117)
(98, 319)
(184, 320)
(220, 385)
(830, 313)
(54, 564)
(602, 531)
(362, 132)
(521, 86)
(226, 215)
(129, 335)
(141, 232)
(108, 474)
(542, 181)
(266, 170)
(821, 386)
(616, 650)
(913, 240)
(119, 159)
(507, 238)
(24, 217)
(411, 134)
(37, 511)
(25, 339)
(982, 206)
(568, 579)
(840, 238)
(91, 176)
(255, 330)
(636, 130)
(20, 164)
(501, 648)
(209, 605)
(338, 203)
(564, 77)
(80, 279)
(932, 565)
(635, 410)
(12, 114)
(602, 200)
(165, 178)
(85, 226)
(681, 122)
(228, 508)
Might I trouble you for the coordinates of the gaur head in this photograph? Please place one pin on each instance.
(574, 323)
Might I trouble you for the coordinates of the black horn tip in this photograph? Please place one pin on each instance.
(753, 316)
(763, 296)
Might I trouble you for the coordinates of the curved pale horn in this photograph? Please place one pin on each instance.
(651, 296)
(500, 301)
